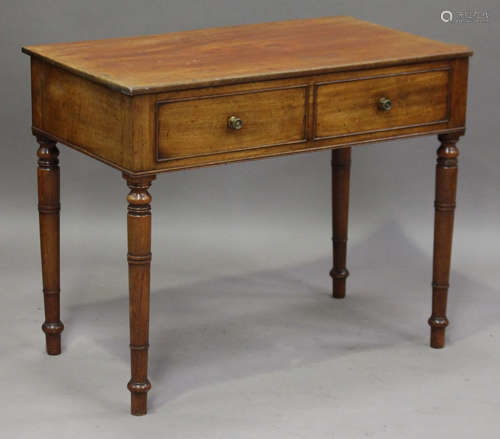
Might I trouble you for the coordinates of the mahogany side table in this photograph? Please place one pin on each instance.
(159, 103)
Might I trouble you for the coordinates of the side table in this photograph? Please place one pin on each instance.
(152, 104)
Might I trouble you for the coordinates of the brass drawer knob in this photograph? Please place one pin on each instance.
(384, 104)
(235, 123)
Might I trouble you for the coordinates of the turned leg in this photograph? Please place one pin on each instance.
(341, 170)
(139, 261)
(48, 208)
(446, 186)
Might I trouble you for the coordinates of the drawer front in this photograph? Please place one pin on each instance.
(356, 106)
(198, 126)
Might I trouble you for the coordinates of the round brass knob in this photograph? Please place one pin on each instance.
(384, 104)
(235, 123)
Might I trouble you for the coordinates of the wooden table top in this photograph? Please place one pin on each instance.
(216, 56)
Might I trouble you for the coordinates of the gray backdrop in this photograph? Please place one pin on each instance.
(246, 341)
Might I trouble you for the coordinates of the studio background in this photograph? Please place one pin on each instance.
(245, 339)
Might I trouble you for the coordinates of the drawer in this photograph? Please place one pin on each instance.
(200, 126)
(381, 102)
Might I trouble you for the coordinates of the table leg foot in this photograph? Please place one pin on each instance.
(437, 337)
(139, 397)
(341, 170)
(53, 337)
(446, 187)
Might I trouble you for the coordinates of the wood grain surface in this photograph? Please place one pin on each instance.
(194, 127)
(350, 106)
(137, 134)
(149, 64)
